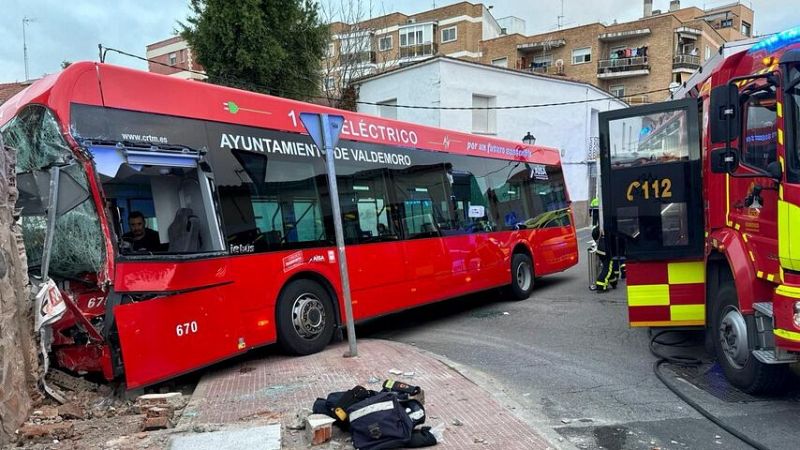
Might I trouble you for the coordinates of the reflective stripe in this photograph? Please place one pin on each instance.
(666, 323)
(786, 334)
(788, 248)
(771, 277)
(760, 274)
(375, 407)
(648, 295)
(780, 136)
(788, 291)
(744, 236)
(686, 272)
(752, 258)
(687, 312)
(780, 109)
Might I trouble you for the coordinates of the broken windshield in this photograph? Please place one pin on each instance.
(77, 246)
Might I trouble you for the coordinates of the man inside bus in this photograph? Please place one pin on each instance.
(140, 237)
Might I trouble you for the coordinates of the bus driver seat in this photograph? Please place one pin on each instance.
(184, 232)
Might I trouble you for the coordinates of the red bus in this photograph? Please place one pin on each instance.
(192, 222)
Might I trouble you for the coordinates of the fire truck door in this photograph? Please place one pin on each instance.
(652, 202)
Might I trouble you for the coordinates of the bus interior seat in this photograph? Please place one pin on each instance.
(184, 232)
(273, 238)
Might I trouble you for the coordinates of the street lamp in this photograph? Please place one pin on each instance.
(529, 139)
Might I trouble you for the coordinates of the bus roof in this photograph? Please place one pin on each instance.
(129, 89)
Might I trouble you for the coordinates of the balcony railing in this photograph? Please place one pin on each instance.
(351, 59)
(609, 68)
(686, 62)
(416, 51)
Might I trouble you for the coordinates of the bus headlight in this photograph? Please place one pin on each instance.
(796, 315)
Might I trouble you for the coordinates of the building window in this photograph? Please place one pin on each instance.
(582, 55)
(330, 83)
(708, 53)
(449, 34)
(173, 58)
(416, 35)
(331, 50)
(484, 120)
(500, 62)
(385, 42)
(355, 43)
(745, 28)
(726, 23)
(617, 90)
(388, 109)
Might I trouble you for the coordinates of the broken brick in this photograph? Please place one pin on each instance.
(156, 423)
(71, 411)
(47, 412)
(159, 411)
(46, 431)
(171, 399)
(318, 428)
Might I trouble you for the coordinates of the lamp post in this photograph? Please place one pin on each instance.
(529, 139)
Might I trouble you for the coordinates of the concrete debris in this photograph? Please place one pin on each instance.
(156, 423)
(318, 428)
(457, 423)
(46, 412)
(299, 421)
(373, 380)
(395, 371)
(173, 399)
(409, 374)
(69, 382)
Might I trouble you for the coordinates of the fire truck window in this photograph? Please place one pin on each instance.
(760, 142)
(628, 221)
(649, 139)
(674, 225)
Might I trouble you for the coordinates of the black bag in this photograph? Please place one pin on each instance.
(379, 422)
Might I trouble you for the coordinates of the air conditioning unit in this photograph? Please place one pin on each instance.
(411, 20)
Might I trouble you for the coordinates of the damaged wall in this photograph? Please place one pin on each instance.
(18, 357)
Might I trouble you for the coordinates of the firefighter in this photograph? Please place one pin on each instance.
(609, 265)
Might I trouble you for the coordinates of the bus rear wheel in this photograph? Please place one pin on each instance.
(522, 279)
(304, 318)
(733, 353)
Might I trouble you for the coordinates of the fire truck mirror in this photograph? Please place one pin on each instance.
(724, 160)
(725, 113)
(774, 170)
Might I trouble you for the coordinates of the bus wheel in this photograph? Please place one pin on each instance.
(304, 317)
(521, 276)
(741, 368)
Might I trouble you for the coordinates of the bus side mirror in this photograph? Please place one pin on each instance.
(725, 113)
(724, 160)
(775, 171)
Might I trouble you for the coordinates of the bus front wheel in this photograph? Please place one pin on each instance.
(304, 318)
(733, 353)
(521, 276)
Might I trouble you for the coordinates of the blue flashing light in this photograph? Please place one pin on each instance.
(776, 41)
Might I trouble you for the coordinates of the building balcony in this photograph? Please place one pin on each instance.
(685, 62)
(419, 51)
(620, 35)
(357, 59)
(623, 67)
(541, 45)
(547, 69)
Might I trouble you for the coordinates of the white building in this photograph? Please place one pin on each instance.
(445, 82)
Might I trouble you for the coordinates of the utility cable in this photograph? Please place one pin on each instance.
(255, 87)
(690, 361)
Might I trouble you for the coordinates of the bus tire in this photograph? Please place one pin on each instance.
(741, 368)
(304, 318)
(522, 278)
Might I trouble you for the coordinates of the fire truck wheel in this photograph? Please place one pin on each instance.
(304, 317)
(521, 276)
(741, 368)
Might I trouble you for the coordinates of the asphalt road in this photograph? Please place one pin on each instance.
(569, 359)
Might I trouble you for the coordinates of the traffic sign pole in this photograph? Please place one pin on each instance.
(324, 129)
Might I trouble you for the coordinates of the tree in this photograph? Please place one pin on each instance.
(262, 45)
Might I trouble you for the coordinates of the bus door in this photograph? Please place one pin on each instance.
(652, 209)
(168, 305)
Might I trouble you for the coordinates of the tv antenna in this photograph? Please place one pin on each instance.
(560, 18)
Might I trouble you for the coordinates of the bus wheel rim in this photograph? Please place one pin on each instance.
(733, 337)
(308, 316)
(523, 276)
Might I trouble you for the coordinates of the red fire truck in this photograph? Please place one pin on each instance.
(185, 223)
(705, 193)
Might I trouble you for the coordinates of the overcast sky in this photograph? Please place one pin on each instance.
(70, 30)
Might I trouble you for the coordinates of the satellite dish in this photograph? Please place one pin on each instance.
(674, 86)
(559, 63)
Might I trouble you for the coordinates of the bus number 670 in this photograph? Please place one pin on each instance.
(183, 329)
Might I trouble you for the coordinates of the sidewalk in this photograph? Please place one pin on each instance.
(276, 388)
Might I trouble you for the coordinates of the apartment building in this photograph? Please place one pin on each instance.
(173, 57)
(375, 45)
(631, 59)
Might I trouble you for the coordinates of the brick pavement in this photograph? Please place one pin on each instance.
(279, 386)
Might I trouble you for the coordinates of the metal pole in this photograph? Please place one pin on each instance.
(25, 47)
(339, 232)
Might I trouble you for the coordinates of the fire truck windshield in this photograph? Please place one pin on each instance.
(793, 96)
